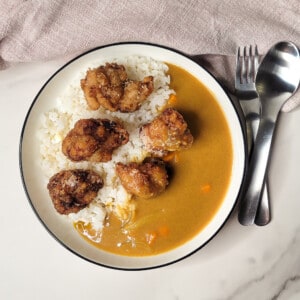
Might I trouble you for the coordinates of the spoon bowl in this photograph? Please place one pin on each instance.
(277, 79)
(278, 74)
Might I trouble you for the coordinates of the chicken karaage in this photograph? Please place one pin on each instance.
(109, 86)
(146, 179)
(73, 190)
(167, 132)
(94, 140)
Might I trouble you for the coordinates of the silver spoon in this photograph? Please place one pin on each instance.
(277, 80)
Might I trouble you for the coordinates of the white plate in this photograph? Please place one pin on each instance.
(31, 169)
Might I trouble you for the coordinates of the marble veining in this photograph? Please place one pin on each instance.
(268, 282)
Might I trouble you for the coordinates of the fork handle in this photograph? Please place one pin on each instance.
(263, 215)
(258, 166)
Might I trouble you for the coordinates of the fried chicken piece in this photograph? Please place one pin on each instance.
(167, 132)
(109, 86)
(146, 179)
(73, 190)
(135, 93)
(94, 140)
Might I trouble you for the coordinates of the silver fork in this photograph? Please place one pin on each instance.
(246, 67)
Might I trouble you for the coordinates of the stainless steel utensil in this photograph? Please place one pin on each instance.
(277, 80)
(247, 62)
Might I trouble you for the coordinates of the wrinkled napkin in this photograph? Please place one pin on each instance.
(36, 30)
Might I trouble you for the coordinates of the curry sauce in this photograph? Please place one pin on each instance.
(199, 178)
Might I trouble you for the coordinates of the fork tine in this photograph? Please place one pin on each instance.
(256, 60)
(250, 65)
(238, 69)
(253, 66)
(247, 62)
(244, 70)
(251, 69)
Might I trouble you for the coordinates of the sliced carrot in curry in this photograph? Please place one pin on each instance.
(171, 156)
(172, 100)
(206, 188)
(163, 230)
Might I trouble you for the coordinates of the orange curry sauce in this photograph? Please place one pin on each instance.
(198, 181)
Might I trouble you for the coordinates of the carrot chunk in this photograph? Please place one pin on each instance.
(171, 156)
(206, 188)
(163, 231)
(172, 100)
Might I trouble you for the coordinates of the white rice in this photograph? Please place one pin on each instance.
(71, 106)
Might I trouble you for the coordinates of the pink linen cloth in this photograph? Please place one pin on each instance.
(36, 30)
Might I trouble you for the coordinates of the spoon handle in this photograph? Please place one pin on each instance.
(263, 215)
(258, 166)
(252, 116)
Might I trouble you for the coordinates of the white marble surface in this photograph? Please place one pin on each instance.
(239, 263)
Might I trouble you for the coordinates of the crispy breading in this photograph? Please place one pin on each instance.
(146, 179)
(73, 190)
(109, 86)
(94, 140)
(167, 132)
